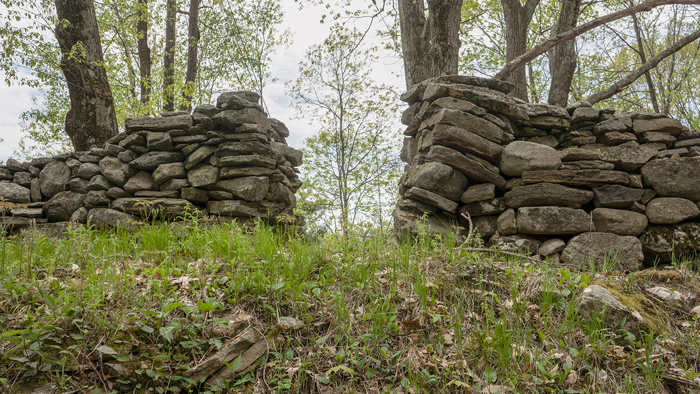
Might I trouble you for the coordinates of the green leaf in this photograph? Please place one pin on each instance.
(278, 286)
(124, 357)
(323, 379)
(167, 332)
(340, 368)
(172, 306)
(322, 339)
(490, 375)
(205, 306)
(236, 363)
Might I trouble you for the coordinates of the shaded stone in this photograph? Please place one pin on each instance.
(616, 138)
(588, 165)
(408, 223)
(159, 141)
(546, 194)
(621, 252)
(551, 246)
(620, 222)
(670, 177)
(78, 185)
(627, 157)
(127, 156)
(235, 148)
(666, 243)
(466, 122)
(576, 154)
(522, 156)
(610, 126)
(547, 140)
(245, 161)
(585, 178)
(436, 177)
(194, 194)
(648, 195)
(14, 193)
(472, 167)
(687, 143)
(671, 210)
(62, 205)
(636, 181)
(203, 176)
(596, 302)
(116, 192)
(88, 170)
(113, 150)
(54, 178)
(666, 125)
(481, 208)
(294, 156)
(166, 172)
(515, 243)
(506, 223)
(431, 198)
(96, 198)
(657, 136)
(582, 114)
(175, 184)
(279, 127)
(35, 190)
(238, 172)
(247, 188)
(277, 191)
(105, 218)
(131, 141)
(485, 226)
(190, 139)
(182, 122)
(143, 180)
(462, 141)
(99, 182)
(150, 208)
(616, 196)
(237, 100)
(240, 208)
(480, 192)
(247, 358)
(553, 220)
(681, 152)
(549, 122)
(220, 195)
(158, 193)
(198, 156)
(151, 160)
(79, 216)
(229, 120)
(490, 100)
(115, 170)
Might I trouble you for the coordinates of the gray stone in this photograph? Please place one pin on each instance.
(681, 152)
(78, 185)
(54, 178)
(96, 198)
(648, 195)
(150, 207)
(159, 141)
(480, 192)
(198, 156)
(14, 193)
(436, 177)
(411, 224)
(27, 212)
(41, 161)
(175, 184)
(132, 140)
(466, 122)
(546, 140)
(596, 302)
(584, 178)
(616, 196)
(506, 223)
(190, 139)
(515, 243)
(79, 216)
(549, 122)
(143, 180)
(473, 168)
(127, 156)
(485, 226)
(181, 122)
(522, 156)
(279, 127)
(582, 114)
(546, 194)
(666, 243)
(666, 125)
(657, 136)
(588, 165)
(553, 220)
(636, 181)
(204, 176)
(166, 172)
(88, 170)
(247, 188)
(229, 120)
(151, 160)
(236, 100)
(463, 141)
(194, 194)
(672, 177)
(221, 195)
(687, 143)
(294, 156)
(35, 190)
(577, 154)
(671, 210)
(551, 246)
(238, 172)
(457, 105)
(490, 100)
(116, 192)
(235, 148)
(627, 157)
(228, 352)
(622, 252)
(277, 191)
(240, 208)
(115, 170)
(616, 138)
(620, 222)
(62, 205)
(245, 161)
(495, 206)
(431, 198)
(113, 150)
(158, 193)
(105, 218)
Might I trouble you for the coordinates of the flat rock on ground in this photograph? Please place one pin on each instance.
(604, 248)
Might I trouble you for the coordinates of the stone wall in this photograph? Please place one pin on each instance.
(226, 160)
(576, 184)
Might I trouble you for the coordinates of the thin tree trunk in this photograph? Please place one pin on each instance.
(192, 45)
(169, 56)
(430, 44)
(144, 51)
(643, 59)
(563, 58)
(517, 18)
(91, 120)
(653, 62)
(575, 32)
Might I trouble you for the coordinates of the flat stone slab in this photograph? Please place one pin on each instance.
(152, 207)
(674, 177)
(462, 141)
(180, 122)
(585, 178)
(431, 198)
(671, 210)
(467, 122)
(553, 221)
(546, 194)
(473, 168)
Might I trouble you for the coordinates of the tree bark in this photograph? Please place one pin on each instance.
(430, 44)
(91, 120)
(192, 46)
(573, 33)
(563, 58)
(169, 56)
(144, 51)
(643, 59)
(517, 18)
(653, 62)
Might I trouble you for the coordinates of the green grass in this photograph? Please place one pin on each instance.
(379, 315)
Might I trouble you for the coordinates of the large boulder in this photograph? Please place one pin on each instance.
(54, 178)
(62, 205)
(674, 177)
(553, 221)
(671, 210)
(668, 242)
(622, 252)
(14, 193)
(546, 194)
(618, 221)
(522, 156)
(597, 302)
(666, 125)
(436, 177)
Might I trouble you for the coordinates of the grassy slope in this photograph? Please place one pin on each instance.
(379, 316)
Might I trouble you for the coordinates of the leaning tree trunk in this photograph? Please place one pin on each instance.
(517, 18)
(169, 56)
(563, 58)
(430, 43)
(643, 59)
(144, 51)
(91, 120)
(192, 46)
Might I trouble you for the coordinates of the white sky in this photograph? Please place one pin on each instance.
(307, 31)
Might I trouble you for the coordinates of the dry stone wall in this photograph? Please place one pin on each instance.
(578, 184)
(228, 160)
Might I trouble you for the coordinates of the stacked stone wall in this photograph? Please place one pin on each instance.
(578, 184)
(228, 160)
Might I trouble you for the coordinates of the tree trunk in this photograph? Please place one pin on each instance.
(430, 44)
(517, 18)
(653, 62)
(562, 58)
(169, 56)
(144, 51)
(192, 43)
(91, 120)
(643, 59)
(577, 31)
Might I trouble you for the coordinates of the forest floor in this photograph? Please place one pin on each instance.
(108, 312)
